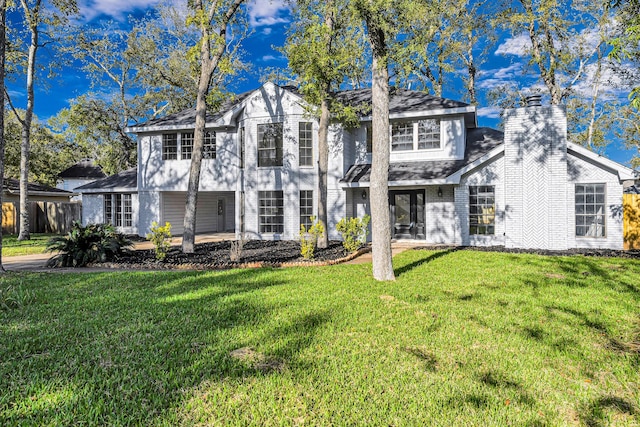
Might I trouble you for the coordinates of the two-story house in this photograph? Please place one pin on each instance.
(450, 181)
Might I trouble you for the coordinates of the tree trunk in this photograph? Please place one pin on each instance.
(26, 135)
(323, 166)
(379, 191)
(189, 234)
(3, 14)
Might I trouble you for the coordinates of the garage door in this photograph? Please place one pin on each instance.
(206, 212)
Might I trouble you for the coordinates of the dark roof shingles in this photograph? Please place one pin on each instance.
(125, 180)
(479, 142)
(83, 169)
(12, 185)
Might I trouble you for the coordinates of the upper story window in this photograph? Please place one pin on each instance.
(590, 210)
(420, 135)
(186, 145)
(270, 144)
(401, 136)
(209, 149)
(428, 134)
(169, 146)
(305, 143)
(482, 209)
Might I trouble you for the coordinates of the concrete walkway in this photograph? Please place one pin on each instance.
(36, 262)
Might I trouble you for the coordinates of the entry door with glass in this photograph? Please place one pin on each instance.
(407, 214)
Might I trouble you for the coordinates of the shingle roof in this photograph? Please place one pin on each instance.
(188, 117)
(12, 185)
(479, 142)
(83, 169)
(400, 100)
(124, 180)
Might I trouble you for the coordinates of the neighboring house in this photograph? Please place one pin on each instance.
(50, 209)
(450, 181)
(79, 174)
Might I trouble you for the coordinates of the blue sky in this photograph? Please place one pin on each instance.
(269, 21)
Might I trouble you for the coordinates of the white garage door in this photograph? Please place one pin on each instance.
(206, 212)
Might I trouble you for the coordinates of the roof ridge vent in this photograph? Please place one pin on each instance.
(534, 101)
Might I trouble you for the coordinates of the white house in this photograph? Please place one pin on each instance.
(83, 172)
(450, 181)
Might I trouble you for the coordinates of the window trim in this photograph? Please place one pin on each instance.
(268, 221)
(186, 150)
(120, 210)
(308, 147)
(482, 220)
(594, 215)
(306, 210)
(277, 146)
(170, 152)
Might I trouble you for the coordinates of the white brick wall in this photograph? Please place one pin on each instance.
(536, 178)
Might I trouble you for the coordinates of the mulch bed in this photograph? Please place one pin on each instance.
(217, 255)
(634, 253)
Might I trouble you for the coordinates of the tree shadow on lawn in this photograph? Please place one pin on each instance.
(415, 264)
(132, 352)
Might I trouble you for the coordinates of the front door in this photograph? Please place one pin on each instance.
(407, 214)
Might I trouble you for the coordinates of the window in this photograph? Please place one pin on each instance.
(169, 146)
(428, 134)
(118, 210)
(271, 211)
(270, 144)
(590, 210)
(482, 209)
(209, 150)
(242, 142)
(306, 208)
(305, 141)
(186, 145)
(401, 136)
(369, 131)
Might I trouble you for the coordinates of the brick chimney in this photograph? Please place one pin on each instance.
(536, 187)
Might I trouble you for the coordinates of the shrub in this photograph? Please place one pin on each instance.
(83, 245)
(354, 232)
(160, 236)
(309, 238)
(15, 297)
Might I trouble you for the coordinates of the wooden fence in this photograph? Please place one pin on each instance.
(45, 217)
(631, 228)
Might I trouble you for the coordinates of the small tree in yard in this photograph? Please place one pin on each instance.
(160, 236)
(309, 238)
(354, 232)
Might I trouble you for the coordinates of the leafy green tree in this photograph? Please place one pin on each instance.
(3, 32)
(627, 44)
(324, 49)
(36, 18)
(49, 154)
(214, 60)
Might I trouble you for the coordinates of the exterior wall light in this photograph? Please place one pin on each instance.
(439, 192)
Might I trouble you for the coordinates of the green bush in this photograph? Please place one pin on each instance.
(83, 245)
(354, 232)
(160, 236)
(309, 238)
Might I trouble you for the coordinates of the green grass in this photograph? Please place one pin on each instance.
(461, 338)
(36, 245)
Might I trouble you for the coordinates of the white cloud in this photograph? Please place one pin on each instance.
(117, 9)
(489, 112)
(267, 12)
(267, 58)
(517, 46)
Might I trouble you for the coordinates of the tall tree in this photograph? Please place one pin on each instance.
(136, 74)
(211, 55)
(627, 44)
(36, 17)
(324, 47)
(3, 32)
(378, 16)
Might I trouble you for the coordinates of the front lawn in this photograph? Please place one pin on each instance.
(461, 338)
(11, 246)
